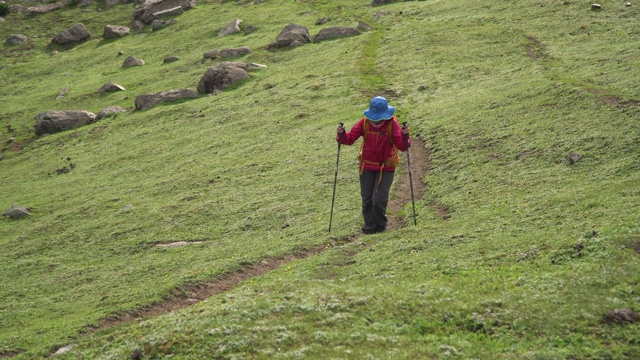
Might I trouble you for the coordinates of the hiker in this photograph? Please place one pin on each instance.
(382, 138)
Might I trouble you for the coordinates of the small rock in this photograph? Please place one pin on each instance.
(64, 350)
(322, 21)
(422, 88)
(16, 212)
(54, 53)
(120, 52)
(363, 26)
(132, 61)
(621, 316)
(111, 87)
(250, 29)
(596, 7)
(627, 4)
(574, 158)
(170, 59)
(62, 93)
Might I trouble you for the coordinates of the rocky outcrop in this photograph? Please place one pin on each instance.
(17, 212)
(147, 101)
(115, 31)
(111, 87)
(226, 53)
(34, 10)
(231, 28)
(54, 121)
(16, 39)
(293, 35)
(110, 111)
(74, 35)
(336, 32)
(222, 75)
(132, 61)
(155, 9)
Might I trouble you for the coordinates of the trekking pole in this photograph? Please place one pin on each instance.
(335, 180)
(406, 142)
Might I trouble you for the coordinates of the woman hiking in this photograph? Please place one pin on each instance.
(383, 137)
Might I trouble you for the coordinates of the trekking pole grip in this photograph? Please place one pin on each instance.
(404, 126)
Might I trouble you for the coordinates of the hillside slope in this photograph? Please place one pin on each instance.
(517, 253)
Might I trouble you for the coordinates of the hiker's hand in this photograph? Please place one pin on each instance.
(340, 129)
(405, 130)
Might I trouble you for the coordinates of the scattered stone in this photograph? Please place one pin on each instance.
(16, 39)
(231, 28)
(137, 25)
(157, 24)
(258, 1)
(17, 8)
(111, 87)
(363, 26)
(85, 3)
(120, 52)
(250, 29)
(10, 140)
(147, 101)
(132, 61)
(322, 21)
(54, 53)
(574, 158)
(148, 13)
(621, 316)
(170, 59)
(175, 11)
(1, 19)
(596, 7)
(226, 53)
(291, 33)
(54, 121)
(422, 88)
(64, 350)
(336, 32)
(34, 10)
(62, 93)
(16, 212)
(220, 76)
(256, 66)
(115, 31)
(74, 35)
(110, 111)
(627, 4)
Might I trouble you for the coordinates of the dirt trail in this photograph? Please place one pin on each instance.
(188, 295)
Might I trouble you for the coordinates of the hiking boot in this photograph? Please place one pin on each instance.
(368, 231)
(380, 229)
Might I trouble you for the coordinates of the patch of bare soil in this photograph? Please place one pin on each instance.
(419, 157)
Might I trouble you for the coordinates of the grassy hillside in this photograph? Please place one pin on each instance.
(517, 253)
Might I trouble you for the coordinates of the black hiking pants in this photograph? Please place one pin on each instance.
(374, 199)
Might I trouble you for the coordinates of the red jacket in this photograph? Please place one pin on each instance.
(377, 147)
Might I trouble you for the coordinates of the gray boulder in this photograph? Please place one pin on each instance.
(170, 59)
(231, 28)
(54, 121)
(34, 10)
(363, 26)
(16, 39)
(220, 76)
(382, 2)
(111, 87)
(293, 33)
(110, 111)
(132, 61)
(16, 8)
(147, 101)
(16, 212)
(154, 9)
(115, 31)
(137, 25)
(226, 53)
(336, 32)
(74, 35)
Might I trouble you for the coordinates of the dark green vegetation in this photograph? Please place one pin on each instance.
(530, 255)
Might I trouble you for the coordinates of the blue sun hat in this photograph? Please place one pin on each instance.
(379, 109)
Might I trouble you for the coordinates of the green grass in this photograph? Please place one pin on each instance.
(534, 252)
